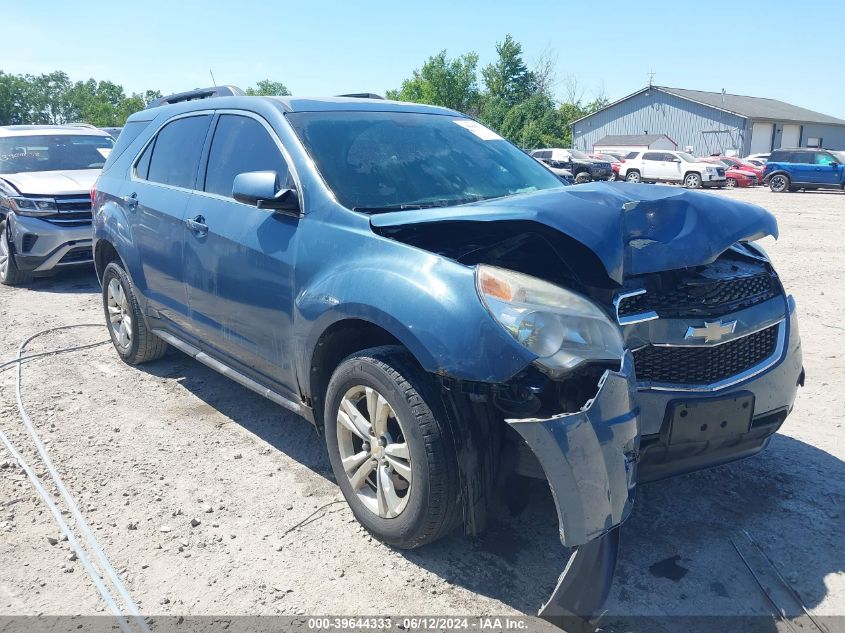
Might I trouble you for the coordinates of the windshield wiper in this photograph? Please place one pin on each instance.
(435, 204)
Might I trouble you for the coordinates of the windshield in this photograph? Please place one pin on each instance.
(686, 157)
(577, 153)
(383, 161)
(53, 152)
(840, 156)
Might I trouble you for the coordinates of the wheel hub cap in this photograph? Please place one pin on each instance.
(374, 452)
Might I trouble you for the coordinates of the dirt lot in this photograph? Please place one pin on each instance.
(145, 451)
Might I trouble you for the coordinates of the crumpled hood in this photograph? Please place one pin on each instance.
(53, 183)
(633, 229)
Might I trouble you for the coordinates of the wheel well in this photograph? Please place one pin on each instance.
(339, 341)
(692, 171)
(104, 254)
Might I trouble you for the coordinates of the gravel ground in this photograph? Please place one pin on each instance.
(197, 489)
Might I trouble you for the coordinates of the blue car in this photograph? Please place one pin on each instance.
(794, 169)
(447, 313)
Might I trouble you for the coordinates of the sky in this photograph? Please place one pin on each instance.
(787, 50)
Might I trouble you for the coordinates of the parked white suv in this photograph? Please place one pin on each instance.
(677, 167)
(46, 176)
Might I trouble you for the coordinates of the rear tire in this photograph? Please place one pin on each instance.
(395, 463)
(9, 273)
(633, 176)
(134, 342)
(780, 183)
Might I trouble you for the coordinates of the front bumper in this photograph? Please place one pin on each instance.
(713, 180)
(774, 392)
(590, 460)
(40, 246)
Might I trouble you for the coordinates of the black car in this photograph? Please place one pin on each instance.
(583, 168)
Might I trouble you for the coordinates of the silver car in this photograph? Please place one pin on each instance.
(46, 176)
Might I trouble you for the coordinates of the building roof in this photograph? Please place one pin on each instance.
(753, 107)
(631, 139)
(746, 107)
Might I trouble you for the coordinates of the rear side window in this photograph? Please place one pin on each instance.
(241, 144)
(127, 135)
(177, 150)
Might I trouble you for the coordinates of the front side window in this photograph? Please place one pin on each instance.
(53, 152)
(821, 158)
(176, 153)
(240, 144)
(382, 161)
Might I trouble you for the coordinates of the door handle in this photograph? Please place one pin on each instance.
(197, 225)
(131, 201)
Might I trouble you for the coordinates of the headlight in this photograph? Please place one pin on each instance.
(561, 327)
(33, 206)
(710, 170)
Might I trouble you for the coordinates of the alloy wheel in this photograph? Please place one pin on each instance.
(120, 318)
(4, 255)
(692, 181)
(633, 176)
(730, 183)
(778, 183)
(374, 451)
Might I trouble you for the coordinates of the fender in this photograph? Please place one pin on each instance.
(428, 303)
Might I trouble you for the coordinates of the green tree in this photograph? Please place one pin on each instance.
(268, 88)
(508, 77)
(451, 83)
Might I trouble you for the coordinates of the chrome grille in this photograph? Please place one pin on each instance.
(73, 211)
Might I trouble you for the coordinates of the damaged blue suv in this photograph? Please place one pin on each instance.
(445, 311)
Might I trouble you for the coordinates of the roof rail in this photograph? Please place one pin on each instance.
(363, 95)
(80, 124)
(197, 93)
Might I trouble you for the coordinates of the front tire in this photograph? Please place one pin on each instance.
(134, 342)
(731, 183)
(9, 273)
(583, 177)
(779, 183)
(692, 180)
(391, 449)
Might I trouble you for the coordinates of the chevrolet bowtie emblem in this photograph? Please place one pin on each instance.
(711, 332)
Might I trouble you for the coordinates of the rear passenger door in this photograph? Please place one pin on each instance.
(801, 168)
(651, 165)
(239, 259)
(163, 177)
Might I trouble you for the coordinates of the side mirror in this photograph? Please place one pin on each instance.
(261, 189)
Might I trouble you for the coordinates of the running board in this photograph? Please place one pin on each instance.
(227, 371)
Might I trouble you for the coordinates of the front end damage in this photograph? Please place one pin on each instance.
(599, 241)
(589, 458)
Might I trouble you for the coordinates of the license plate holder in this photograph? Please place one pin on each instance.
(705, 419)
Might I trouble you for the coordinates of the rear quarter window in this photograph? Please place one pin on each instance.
(130, 132)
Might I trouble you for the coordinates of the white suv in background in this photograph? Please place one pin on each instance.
(677, 167)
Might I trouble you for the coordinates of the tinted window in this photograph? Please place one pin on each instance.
(378, 161)
(653, 156)
(631, 155)
(177, 150)
(778, 157)
(129, 133)
(800, 157)
(143, 167)
(240, 144)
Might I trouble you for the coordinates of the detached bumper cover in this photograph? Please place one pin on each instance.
(590, 460)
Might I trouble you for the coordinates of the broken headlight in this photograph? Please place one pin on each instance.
(562, 328)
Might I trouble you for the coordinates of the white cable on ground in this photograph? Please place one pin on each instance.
(77, 515)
